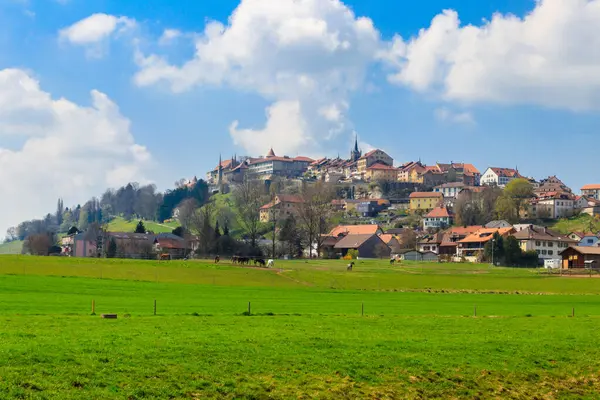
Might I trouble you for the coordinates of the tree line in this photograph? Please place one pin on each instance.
(131, 201)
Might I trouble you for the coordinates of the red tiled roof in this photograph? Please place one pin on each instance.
(354, 230)
(224, 164)
(370, 153)
(591, 187)
(386, 237)
(438, 212)
(289, 198)
(506, 172)
(382, 167)
(302, 158)
(485, 235)
(421, 195)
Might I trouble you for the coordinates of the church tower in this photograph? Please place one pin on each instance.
(355, 154)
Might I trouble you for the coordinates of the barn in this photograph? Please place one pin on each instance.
(581, 257)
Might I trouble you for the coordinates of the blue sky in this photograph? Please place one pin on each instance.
(514, 92)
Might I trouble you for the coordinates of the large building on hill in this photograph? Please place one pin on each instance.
(372, 157)
(499, 176)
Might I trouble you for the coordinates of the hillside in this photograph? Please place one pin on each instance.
(118, 224)
(581, 223)
(11, 248)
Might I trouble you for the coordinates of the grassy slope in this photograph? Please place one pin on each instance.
(11, 248)
(580, 223)
(119, 224)
(316, 345)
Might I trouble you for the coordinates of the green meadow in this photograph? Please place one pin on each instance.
(300, 330)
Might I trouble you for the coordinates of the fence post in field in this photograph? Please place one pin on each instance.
(154, 306)
(475, 311)
(93, 307)
(573, 312)
(249, 311)
(362, 311)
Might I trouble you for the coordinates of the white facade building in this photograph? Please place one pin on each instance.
(499, 176)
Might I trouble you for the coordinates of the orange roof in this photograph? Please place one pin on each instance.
(302, 158)
(354, 230)
(506, 172)
(470, 168)
(438, 212)
(464, 230)
(289, 198)
(591, 187)
(369, 154)
(386, 237)
(421, 195)
(485, 235)
(224, 164)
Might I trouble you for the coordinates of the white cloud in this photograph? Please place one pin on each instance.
(550, 57)
(69, 151)
(306, 56)
(94, 31)
(446, 115)
(168, 36)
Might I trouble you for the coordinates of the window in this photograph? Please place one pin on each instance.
(539, 252)
(543, 252)
(550, 252)
(590, 241)
(538, 243)
(550, 244)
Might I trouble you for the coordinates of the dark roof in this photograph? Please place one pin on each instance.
(533, 233)
(353, 241)
(588, 250)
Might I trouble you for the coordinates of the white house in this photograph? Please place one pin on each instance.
(450, 190)
(591, 191)
(553, 205)
(439, 217)
(499, 176)
(546, 243)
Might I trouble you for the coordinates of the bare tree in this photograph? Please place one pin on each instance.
(248, 198)
(201, 225)
(315, 212)
(37, 244)
(187, 212)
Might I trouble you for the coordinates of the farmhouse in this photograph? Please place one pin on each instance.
(581, 257)
(368, 246)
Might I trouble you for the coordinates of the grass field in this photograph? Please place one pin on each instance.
(11, 247)
(118, 224)
(581, 223)
(314, 331)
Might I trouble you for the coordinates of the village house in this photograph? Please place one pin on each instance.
(344, 230)
(367, 245)
(391, 241)
(274, 166)
(437, 218)
(551, 185)
(581, 257)
(499, 176)
(553, 205)
(173, 245)
(425, 201)
(411, 172)
(450, 190)
(584, 239)
(450, 238)
(381, 172)
(430, 243)
(592, 191)
(548, 244)
(281, 207)
(372, 157)
(472, 246)
(466, 174)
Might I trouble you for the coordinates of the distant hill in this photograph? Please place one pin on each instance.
(12, 247)
(118, 224)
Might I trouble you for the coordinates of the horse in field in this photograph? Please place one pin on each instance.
(217, 259)
(270, 264)
(164, 257)
(350, 266)
(260, 261)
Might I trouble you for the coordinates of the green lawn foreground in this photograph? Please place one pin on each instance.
(305, 338)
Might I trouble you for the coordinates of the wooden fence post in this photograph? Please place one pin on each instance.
(362, 312)
(93, 307)
(154, 306)
(475, 311)
(573, 312)
(249, 311)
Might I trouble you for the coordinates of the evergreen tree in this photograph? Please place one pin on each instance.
(226, 230)
(112, 248)
(140, 228)
(60, 209)
(217, 231)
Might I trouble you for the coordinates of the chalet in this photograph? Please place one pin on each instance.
(584, 239)
(451, 237)
(430, 243)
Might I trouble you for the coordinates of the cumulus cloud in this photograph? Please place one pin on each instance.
(446, 115)
(168, 36)
(549, 57)
(306, 56)
(92, 32)
(68, 150)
